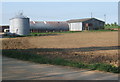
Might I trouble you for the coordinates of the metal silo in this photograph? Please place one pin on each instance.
(20, 25)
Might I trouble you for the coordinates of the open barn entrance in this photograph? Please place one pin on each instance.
(88, 25)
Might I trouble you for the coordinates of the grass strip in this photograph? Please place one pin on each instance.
(32, 33)
(58, 61)
(53, 33)
(45, 33)
(112, 26)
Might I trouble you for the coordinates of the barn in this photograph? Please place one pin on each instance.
(85, 24)
(48, 26)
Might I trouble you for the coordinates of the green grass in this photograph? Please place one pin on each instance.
(112, 26)
(50, 33)
(18, 54)
(40, 34)
(102, 30)
(55, 32)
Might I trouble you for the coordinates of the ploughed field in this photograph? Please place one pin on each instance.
(87, 47)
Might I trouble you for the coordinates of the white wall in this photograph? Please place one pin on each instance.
(75, 26)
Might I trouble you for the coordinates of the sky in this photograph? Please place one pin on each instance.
(60, 0)
(60, 11)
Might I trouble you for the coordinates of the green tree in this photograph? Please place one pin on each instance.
(107, 24)
(115, 24)
(112, 24)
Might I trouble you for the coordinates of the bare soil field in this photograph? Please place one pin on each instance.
(87, 47)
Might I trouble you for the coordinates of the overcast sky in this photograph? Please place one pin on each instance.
(60, 11)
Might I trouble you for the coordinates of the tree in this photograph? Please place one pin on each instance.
(115, 23)
(107, 24)
(112, 24)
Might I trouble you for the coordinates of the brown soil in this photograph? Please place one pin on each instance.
(88, 47)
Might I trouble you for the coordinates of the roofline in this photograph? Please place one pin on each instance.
(49, 21)
(18, 18)
(78, 20)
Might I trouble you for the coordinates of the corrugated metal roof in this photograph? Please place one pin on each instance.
(81, 20)
(49, 24)
(78, 20)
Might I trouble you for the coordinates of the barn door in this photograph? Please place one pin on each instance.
(86, 26)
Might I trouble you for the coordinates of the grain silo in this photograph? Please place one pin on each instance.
(20, 25)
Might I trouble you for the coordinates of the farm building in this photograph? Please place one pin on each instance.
(48, 26)
(85, 24)
(20, 25)
(4, 28)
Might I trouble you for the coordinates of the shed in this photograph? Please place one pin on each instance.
(48, 26)
(3, 28)
(85, 24)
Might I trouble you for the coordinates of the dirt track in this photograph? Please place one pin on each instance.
(83, 46)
